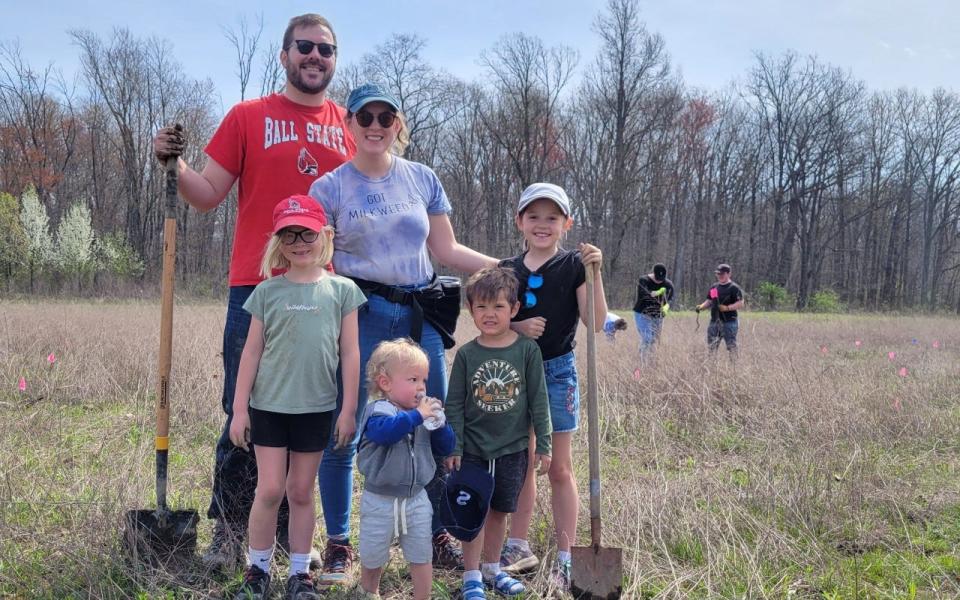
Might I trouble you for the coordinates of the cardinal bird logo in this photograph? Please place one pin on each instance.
(307, 164)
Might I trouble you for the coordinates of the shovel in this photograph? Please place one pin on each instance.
(597, 572)
(162, 535)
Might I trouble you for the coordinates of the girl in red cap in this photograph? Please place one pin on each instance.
(304, 324)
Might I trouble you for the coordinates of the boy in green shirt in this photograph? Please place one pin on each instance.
(497, 392)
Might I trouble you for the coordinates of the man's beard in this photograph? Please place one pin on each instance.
(294, 79)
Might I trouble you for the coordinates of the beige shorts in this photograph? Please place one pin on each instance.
(386, 518)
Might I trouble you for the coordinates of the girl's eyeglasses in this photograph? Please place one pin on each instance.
(288, 238)
(385, 119)
(534, 282)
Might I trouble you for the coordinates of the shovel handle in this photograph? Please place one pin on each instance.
(166, 329)
(593, 411)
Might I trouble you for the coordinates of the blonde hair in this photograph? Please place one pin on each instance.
(391, 354)
(273, 257)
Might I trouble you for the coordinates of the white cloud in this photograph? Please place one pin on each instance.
(910, 52)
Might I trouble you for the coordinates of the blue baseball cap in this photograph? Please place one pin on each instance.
(370, 92)
(465, 501)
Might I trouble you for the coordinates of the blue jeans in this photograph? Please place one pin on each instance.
(235, 469)
(379, 320)
(722, 329)
(649, 329)
(563, 392)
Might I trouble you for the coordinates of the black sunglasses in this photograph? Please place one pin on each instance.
(306, 47)
(535, 281)
(289, 237)
(385, 119)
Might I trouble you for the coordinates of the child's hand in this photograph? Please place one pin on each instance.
(543, 460)
(240, 430)
(345, 430)
(531, 328)
(428, 406)
(452, 463)
(590, 254)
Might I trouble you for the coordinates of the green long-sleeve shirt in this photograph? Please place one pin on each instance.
(495, 395)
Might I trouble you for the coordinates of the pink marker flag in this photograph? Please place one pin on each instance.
(857, 343)
(22, 384)
(902, 372)
(896, 404)
(891, 355)
(823, 349)
(936, 344)
(713, 293)
(636, 373)
(51, 358)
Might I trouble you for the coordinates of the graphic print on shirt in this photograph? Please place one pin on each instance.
(496, 386)
(281, 131)
(307, 164)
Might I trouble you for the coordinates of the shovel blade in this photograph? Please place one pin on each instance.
(157, 537)
(597, 573)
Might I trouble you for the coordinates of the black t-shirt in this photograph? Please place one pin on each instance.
(646, 303)
(727, 293)
(556, 299)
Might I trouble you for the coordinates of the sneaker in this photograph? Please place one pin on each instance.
(301, 587)
(226, 550)
(560, 576)
(255, 586)
(517, 559)
(337, 561)
(446, 552)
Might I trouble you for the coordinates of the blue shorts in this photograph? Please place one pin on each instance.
(564, 392)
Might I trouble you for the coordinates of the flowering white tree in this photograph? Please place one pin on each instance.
(36, 228)
(75, 242)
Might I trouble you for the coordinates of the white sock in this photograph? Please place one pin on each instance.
(260, 558)
(299, 563)
(519, 543)
(563, 556)
(490, 570)
(472, 576)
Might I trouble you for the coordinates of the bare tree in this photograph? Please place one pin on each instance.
(245, 39)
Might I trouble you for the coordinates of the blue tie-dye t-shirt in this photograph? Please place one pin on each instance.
(382, 224)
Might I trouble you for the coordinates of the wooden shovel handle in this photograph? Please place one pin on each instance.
(166, 329)
(593, 412)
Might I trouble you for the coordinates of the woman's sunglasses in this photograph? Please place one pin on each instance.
(534, 282)
(305, 47)
(288, 238)
(385, 119)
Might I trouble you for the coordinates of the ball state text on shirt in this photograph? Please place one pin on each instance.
(276, 131)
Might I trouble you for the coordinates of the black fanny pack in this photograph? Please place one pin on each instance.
(438, 303)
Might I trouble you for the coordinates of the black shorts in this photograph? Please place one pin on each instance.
(509, 473)
(307, 432)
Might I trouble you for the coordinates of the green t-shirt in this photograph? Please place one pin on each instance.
(495, 395)
(301, 333)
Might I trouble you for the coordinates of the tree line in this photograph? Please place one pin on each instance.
(797, 174)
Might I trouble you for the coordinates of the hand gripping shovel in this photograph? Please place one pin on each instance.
(158, 536)
(597, 572)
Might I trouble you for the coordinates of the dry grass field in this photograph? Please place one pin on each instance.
(810, 468)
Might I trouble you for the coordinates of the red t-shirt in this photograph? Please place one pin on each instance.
(276, 148)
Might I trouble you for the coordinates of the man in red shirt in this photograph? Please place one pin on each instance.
(274, 147)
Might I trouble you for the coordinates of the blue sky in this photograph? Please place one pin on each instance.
(887, 43)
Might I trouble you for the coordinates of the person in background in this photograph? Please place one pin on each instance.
(654, 293)
(724, 299)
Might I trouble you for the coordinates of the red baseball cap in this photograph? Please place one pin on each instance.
(299, 210)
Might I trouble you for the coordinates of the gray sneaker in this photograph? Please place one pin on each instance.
(516, 559)
(226, 551)
(255, 586)
(301, 587)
